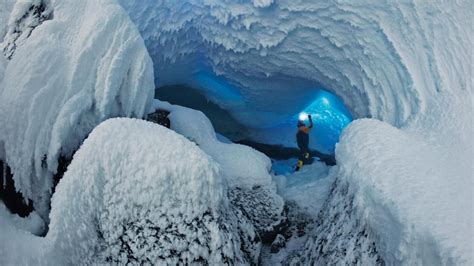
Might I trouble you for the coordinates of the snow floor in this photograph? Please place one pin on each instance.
(307, 189)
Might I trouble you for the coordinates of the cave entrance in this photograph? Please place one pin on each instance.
(277, 141)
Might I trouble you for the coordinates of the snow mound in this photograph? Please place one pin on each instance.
(67, 76)
(413, 187)
(18, 246)
(32, 223)
(241, 165)
(137, 192)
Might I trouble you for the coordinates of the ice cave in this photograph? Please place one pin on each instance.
(170, 132)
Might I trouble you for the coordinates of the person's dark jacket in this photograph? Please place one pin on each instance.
(302, 136)
(302, 139)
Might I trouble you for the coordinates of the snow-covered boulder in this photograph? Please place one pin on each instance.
(263, 207)
(140, 193)
(85, 64)
(246, 171)
(411, 196)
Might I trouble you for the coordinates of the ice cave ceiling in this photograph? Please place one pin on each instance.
(274, 55)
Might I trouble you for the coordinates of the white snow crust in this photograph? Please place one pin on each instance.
(71, 73)
(17, 246)
(414, 190)
(134, 173)
(32, 223)
(137, 192)
(5, 11)
(308, 188)
(3, 66)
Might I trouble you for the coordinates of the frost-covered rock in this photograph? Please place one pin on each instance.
(251, 188)
(278, 243)
(137, 192)
(263, 208)
(86, 64)
(340, 234)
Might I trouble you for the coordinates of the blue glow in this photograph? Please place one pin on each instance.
(330, 117)
(217, 88)
(328, 112)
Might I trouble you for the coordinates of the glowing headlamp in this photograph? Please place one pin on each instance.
(303, 116)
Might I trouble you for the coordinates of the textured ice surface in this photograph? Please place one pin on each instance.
(24, 18)
(67, 76)
(127, 198)
(383, 59)
(414, 186)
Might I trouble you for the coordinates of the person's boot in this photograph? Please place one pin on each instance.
(299, 164)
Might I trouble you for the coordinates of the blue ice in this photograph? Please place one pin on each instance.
(330, 117)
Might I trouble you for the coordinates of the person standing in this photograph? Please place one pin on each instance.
(302, 139)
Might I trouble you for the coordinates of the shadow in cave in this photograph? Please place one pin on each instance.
(227, 126)
(280, 152)
(223, 123)
(12, 199)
